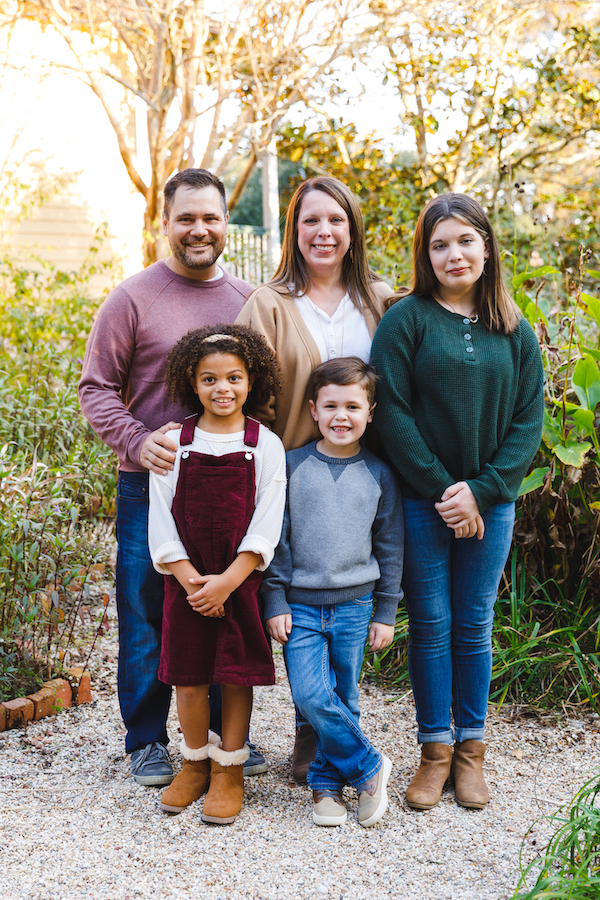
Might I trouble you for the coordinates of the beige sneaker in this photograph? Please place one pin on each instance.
(328, 808)
(371, 807)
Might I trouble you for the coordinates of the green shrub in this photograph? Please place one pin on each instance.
(57, 479)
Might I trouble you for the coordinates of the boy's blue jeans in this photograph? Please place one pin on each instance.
(324, 655)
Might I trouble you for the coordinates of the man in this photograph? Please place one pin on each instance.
(123, 396)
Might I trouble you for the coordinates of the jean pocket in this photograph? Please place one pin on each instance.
(132, 486)
(363, 601)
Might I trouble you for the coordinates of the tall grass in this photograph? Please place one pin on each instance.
(569, 866)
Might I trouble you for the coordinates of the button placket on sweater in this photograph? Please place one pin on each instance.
(467, 336)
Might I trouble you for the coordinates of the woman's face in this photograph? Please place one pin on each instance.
(457, 253)
(323, 233)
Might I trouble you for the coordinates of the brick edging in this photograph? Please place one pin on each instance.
(52, 698)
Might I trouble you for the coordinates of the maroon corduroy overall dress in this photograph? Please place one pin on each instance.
(212, 508)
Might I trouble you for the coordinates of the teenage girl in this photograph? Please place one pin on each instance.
(215, 521)
(459, 413)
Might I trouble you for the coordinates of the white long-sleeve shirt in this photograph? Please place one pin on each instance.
(264, 529)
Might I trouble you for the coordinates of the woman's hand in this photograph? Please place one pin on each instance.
(476, 527)
(458, 508)
(279, 627)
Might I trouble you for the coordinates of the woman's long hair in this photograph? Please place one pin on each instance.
(493, 304)
(357, 277)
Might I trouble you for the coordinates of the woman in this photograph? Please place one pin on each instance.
(459, 413)
(323, 302)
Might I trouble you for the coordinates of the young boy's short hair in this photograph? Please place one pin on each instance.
(343, 371)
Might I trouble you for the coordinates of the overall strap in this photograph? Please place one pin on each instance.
(187, 431)
(251, 432)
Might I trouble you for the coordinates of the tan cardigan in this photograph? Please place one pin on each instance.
(272, 312)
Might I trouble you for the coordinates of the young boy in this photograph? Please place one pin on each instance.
(341, 551)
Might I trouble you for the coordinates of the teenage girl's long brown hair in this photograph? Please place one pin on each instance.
(493, 304)
(357, 277)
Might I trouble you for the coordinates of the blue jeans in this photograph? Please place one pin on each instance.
(324, 655)
(144, 700)
(450, 587)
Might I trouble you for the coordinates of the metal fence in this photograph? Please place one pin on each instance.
(246, 253)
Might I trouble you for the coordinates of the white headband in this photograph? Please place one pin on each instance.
(220, 337)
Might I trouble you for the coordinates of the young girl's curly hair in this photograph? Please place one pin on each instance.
(246, 344)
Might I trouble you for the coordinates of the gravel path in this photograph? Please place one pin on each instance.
(74, 825)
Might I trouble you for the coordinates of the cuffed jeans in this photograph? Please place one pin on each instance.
(324, 655)
(450, 588)
(144, 700)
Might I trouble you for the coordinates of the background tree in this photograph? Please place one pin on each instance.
(515, 82)
(240, 68)
(497, 98)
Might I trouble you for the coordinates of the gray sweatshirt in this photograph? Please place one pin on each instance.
(343, 535)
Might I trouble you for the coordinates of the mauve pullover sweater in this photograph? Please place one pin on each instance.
(122, 391)
(456, 402)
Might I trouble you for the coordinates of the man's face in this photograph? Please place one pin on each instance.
(196, 230)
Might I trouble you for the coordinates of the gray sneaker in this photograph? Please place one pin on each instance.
(152, 765)
(256, 764)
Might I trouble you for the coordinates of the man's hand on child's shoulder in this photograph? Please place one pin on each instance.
(279, 627)
(380, 636)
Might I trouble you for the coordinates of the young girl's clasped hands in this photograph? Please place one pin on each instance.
(215, 521)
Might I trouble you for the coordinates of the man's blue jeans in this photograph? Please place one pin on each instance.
(450, 588)
(324, 655)
(144, 700)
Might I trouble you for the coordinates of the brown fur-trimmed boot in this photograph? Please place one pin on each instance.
(189, 785)
(226, 793)
(426, 788)
(470, 788)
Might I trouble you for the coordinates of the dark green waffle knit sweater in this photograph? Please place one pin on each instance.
(456, 402)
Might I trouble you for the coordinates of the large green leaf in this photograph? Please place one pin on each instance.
(518, 280)
(533, 313)
(585, 418)
(592, 352)
(572, 453)
(552, 433)
(592, 305)
(533, 481)
(569, 407)
(586, 382)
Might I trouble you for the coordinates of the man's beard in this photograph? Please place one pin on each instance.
(188, 259)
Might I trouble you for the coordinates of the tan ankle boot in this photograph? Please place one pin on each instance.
(426, 788)
(189, 785)
(467, 770)
(226, 793)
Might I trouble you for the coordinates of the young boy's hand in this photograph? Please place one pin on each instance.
(380, 636)
(210, 599)
(279, 627)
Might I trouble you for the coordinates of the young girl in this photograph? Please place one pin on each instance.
(215, 521)
(459, 413)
